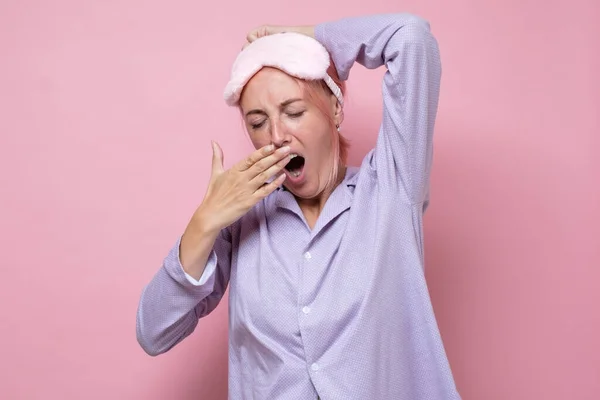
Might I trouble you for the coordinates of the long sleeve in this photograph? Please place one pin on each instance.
(404, 44)
(172, 303)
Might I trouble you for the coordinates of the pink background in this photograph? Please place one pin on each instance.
(107, 111)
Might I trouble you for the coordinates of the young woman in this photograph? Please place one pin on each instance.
(324, 262)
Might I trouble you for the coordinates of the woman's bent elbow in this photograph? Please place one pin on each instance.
(148, 342)
(156, 339)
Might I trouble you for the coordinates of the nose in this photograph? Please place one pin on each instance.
(279, 134)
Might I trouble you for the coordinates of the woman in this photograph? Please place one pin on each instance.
(324, 262)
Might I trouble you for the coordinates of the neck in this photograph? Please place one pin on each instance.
(311, 208)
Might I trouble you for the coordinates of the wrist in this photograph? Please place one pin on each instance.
(195, 246)
(203, 224)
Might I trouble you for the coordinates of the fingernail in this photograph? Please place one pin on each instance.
(284, 149)
(270, 147)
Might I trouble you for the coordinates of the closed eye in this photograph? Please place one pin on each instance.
(296, 115)
(257, 125)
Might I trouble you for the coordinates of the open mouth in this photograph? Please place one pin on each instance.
(295, 166)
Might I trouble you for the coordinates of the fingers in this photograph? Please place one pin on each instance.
(266, 30)
(255, 157)
(257, 33)
(263, 177)
(259, 168)
(217, 159)
(269, 188)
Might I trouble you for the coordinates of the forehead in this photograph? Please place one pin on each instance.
(269, 87)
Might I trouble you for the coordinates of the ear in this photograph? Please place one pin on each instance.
(338, 111)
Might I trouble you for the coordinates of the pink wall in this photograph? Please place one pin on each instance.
(107, 109)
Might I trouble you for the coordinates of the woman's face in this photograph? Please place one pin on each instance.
(276, 111)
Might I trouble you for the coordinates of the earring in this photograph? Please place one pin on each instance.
(337, 127)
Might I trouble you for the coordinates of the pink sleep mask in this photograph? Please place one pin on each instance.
(298, 55)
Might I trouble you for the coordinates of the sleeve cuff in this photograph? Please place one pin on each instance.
(175, 270)
(209, 271)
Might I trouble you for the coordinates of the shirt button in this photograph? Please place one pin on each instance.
(307, 255)
(314, 367)
(306, 310)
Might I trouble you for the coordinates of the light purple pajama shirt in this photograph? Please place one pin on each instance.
(341, 311)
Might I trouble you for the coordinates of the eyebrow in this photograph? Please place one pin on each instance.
(282, 105)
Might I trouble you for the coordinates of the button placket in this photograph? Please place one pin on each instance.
(307, 257)
(306, 310)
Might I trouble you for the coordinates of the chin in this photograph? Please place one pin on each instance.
(302, 193)
(306, 191)
(304, 183)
